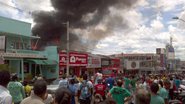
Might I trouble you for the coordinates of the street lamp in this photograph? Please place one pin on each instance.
(177, 18)
(67, 45)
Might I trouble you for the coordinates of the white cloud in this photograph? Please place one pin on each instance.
(21, 9)
(143, 3)
(102, 45)
(8, 8)
(157, 25)
(167, 5)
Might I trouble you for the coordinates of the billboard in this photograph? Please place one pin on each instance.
(2, 43)
(94, 62)
(115, 62)
(75, 59)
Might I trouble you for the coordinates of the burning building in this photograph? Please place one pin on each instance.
(90, 21)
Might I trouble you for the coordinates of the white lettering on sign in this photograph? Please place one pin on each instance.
(83, 60)
(72, 59)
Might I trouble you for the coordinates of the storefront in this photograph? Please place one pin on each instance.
(17, 62)
(46, 68)
(77, 63)
(29, 65)
(94, 64)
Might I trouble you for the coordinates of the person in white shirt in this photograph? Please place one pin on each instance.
(98, 76)
(156, 80)
(5, 97)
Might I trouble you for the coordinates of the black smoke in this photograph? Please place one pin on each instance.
(49, 25)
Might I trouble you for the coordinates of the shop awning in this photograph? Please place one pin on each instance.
(43, 62)
(50, 62)
(40, 62)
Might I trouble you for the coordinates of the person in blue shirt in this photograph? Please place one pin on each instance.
(85, 91)
(63, 82)
(177, 82)
(73, 89)
(110, 82)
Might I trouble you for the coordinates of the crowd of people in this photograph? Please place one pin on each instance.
(120, 89)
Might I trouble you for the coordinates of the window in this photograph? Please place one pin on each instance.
(26, 67)
(18, 45)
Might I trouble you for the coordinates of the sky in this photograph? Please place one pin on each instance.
(150, 25)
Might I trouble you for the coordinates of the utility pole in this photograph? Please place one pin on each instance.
(67, 49)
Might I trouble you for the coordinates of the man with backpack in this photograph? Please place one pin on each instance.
(85, 91)
(63, 82)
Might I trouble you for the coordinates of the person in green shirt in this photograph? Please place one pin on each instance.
(133, 83)
(163, 92)
(155, 98)
(127, 83)
(16, 90)
(119, 94)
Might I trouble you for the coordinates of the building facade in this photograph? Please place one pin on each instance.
(142, 63)
(16, 51)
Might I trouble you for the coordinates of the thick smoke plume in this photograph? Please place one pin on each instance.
(90, 21)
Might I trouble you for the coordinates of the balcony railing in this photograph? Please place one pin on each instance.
(25, 51)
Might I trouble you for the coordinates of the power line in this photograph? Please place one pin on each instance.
(16, 8)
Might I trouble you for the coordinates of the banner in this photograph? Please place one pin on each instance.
(75, 59)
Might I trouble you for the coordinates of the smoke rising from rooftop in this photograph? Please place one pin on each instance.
(90, 21)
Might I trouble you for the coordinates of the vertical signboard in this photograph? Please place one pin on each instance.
(2, 43)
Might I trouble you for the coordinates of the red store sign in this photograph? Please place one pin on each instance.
(75, 59)
(115, 62)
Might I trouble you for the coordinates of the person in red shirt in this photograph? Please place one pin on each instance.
(100, 89)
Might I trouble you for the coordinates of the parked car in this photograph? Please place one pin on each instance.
(55, 85)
